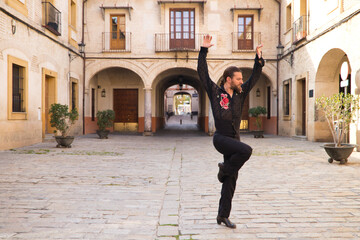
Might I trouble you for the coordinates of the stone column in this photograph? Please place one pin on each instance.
(147, 114)
(211, 122)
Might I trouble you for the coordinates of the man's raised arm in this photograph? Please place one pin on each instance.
(202, 64)
(258, 65)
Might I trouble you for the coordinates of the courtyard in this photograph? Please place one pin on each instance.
(164, 187)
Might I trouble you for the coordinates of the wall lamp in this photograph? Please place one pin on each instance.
(258, 92)
(81, 48)
(13, 26)
(280, 52)
(81, 51)
(103, 93)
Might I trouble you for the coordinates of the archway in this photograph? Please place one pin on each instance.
(177, 81)
(327, 82)
(121, 90)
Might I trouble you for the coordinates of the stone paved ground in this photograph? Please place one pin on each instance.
(164, 187)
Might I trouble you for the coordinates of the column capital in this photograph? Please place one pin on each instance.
(147, 89)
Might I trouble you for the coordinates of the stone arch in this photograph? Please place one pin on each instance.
(169, 75)
(97, 66)
(107, 89)
(327, 83)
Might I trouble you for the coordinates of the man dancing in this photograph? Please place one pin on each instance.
(227, 102)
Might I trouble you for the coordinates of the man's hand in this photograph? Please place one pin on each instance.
(258, 50)
(207, 41)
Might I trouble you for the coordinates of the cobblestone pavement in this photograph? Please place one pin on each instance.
(164, 187)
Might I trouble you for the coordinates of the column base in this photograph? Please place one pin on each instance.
(147, 134)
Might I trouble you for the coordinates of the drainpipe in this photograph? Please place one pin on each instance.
(84, 59)
(278, 71)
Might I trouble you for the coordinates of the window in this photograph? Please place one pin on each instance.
(74, 94)
(73, 14)
(182, 28)
(17, 88)
(51, 18)
(245, 32)
(286, 99)
(288, 17)
(18, 5)
(117, 32)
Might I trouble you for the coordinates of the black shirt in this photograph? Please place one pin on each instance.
(226, 109)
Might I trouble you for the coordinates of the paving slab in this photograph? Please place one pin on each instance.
(164, 187)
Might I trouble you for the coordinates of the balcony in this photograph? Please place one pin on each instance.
(245, 42)
(52, 18)
(300, 29)
(183, 42)
(116, 41)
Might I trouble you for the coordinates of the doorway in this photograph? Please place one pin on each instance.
(126, 110)
(301, 108)
(49, 96)
(117, 39)
(182, 28)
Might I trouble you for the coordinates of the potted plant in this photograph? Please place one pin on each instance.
(257, 112)
(62, 120)
(339, 110)
(104, 120)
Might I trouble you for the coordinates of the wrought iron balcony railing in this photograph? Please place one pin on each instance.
(52, 18)
(300, 28)
(243, 42)
(116, 41)
(172, 42)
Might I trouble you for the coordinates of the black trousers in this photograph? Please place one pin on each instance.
(235, 154)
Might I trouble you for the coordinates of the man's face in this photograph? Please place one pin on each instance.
(236, 82)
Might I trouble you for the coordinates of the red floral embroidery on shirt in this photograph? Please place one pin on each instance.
(224, 102)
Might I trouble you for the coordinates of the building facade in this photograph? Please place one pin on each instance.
(136, 50)
(318, 37)
(40, 64)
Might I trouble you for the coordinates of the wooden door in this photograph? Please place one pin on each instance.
(49, 99)
(182, 28)
(126, 105)
(117, 32)
(245, 32)
(303, 107)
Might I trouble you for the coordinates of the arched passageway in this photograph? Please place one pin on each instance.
(177, 82)
(121, 90)
(327, 82)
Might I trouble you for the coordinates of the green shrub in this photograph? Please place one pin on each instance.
(61, 118)
(105, 119)
(339, 110)
(256, 112)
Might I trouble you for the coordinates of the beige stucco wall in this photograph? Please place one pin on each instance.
(40, 53)
(147, 18)
(329, 50)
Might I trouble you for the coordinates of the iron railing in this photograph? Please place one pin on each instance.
(243, 42)
(52, 18)
(167, 42)
(116, 41)
(300, 28)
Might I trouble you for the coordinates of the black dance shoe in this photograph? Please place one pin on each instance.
(226, 221)
(221, 174)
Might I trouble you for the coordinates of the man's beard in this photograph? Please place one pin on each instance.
(236, 88)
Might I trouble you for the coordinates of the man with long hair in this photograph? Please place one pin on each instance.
(227, 102)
